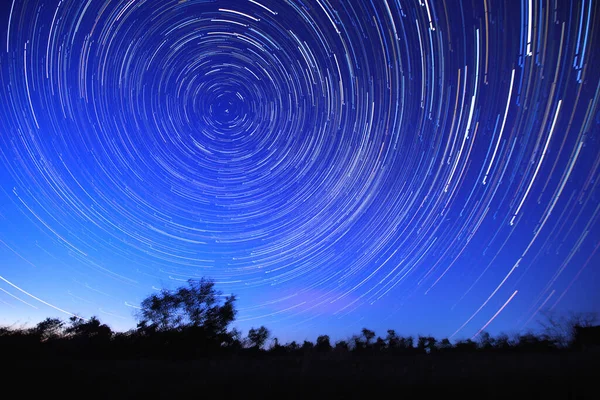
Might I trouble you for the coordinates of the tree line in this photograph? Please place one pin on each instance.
(193, 321)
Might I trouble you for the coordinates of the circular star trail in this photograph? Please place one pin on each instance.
(334, 163)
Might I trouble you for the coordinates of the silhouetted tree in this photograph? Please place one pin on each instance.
(197, 306)
(486, 341)
(293, 346)
(233, 340)
(379, 344)
(323, 344)
(431, 344)
(307, 346)
(466, 345)
(426, 344)
(91, 329)
(421, 343)
(5, 331)
(77, 338)
(49, 329)
(357, 343)
(18, 343)
(502, 342)
(88, 338)
(586, 337)
(276, 347)
(405, 343)
(341, 346)
(560, 329)
(368, 335)
(392, 339)
(531, 342)
(258, 337)
(445, 345)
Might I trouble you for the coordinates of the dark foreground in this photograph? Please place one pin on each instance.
(565, 375)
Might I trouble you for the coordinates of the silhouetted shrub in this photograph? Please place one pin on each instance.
(532, 343)
(307, 346)
(466, 346)
(586, 337)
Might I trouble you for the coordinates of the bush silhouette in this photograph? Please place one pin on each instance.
(90, 329)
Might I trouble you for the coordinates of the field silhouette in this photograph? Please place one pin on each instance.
(182, 348)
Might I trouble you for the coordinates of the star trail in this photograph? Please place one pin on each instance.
(427, 166)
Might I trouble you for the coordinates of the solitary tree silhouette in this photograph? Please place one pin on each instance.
(196, 306)
(323, 343)
(368, 335)
(258, 337)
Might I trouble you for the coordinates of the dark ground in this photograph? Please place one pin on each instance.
(565, 375)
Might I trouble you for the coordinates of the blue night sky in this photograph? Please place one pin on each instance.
(428, 166)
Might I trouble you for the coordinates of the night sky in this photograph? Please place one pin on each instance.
(428, 166)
